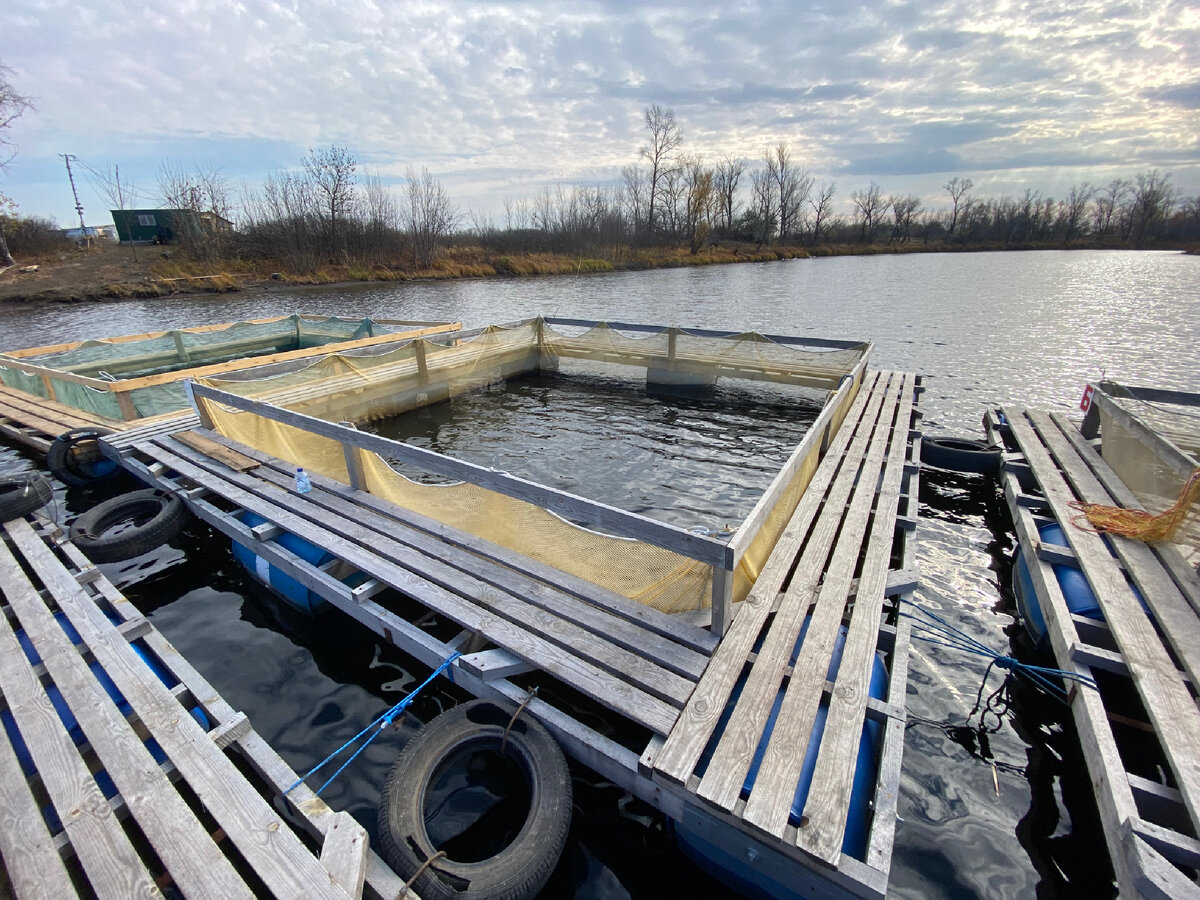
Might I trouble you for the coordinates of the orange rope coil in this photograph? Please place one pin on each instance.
(1137, 523)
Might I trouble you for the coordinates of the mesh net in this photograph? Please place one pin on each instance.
(118, 360)
(360, 386)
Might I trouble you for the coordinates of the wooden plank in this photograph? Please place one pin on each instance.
(592, 680)
(626, 524)
(605, 626)
(1170, 706)
(268, 845)
(27, 851)
(753, 522)
(344, 853)
(113, 867)
(832, 780)
(1173, 612)
(123, 339)
(664, 625)
(826, 580)
(239, 462)
(252, 362)
(519, 602)
(688, 739)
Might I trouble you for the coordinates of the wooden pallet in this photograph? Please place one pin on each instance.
(61, 836)
(846, 522)
(1150, 826)
(638, 662)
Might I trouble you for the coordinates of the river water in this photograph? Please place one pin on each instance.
(994, 809)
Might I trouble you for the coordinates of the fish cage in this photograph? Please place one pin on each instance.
(306, 413)
(137, 376)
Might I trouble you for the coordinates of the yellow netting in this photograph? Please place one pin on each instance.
(360, 386)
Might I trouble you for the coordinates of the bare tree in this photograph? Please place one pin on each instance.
(665, 138)
(792, 187)
(870, 207)
(765, 219)
(202, 189)
(121, 193)
(12, 106)
(1072, 209)
(1108, 202)
(430, 214)
(822, 206)
(331, 172)
(959, 190)
(725, 184)
(634, 194)
(701, 203)
(1153, 200)
(904, 209)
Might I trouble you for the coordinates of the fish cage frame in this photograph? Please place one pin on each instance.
(122, 388)
(724, 557)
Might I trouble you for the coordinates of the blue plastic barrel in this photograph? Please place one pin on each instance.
(297, 594)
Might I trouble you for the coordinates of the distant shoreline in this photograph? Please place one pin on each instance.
(112, 273)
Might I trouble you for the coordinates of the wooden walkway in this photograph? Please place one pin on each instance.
(140, 795)
(831, 571)
(1140, 732)
(846, 554)
(36, 422)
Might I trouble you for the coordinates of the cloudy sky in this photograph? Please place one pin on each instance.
(500, 99)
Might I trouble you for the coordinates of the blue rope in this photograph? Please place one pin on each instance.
(936, 630)
(378, 725)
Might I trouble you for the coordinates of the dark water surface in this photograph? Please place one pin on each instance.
(1001, 809)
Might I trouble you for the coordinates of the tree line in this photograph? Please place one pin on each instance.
(328, 211)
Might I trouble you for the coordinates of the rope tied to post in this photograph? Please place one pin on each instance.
(373, 730)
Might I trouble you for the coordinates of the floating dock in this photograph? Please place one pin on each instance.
(691, 702)
(124, 774)
(1140, 730)
(113, 382)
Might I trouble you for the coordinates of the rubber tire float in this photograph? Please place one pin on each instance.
(22, 494)
(523, 866)
(75, 459)
(961, 455)
(150, 519)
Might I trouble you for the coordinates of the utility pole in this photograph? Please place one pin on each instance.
(67, 157)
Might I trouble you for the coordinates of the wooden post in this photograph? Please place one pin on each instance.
(354, 467)
(48, 383)
(722, 600)
(125, 404)
(179, 348)
(422, 365)
(200, 407)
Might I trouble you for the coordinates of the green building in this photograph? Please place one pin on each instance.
(165, 226)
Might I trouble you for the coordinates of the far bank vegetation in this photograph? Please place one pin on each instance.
(328, 220)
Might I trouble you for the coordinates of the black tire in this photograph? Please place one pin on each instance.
(515, 871)
(961, 455)
(22, 494)
(150, 519)
(74, 457)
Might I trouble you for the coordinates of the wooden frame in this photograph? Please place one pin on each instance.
(122, 388)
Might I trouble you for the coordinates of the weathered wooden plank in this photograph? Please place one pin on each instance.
(829, 798)
(595, 647)
(828, 580)
(1097, 484)
(688, 739)
(27, 851)
(591, 679)
(267, 844)
(344, 853)
(329, 495)
(1170, 706)
(113, 867)
(646, 618)
(239, 462)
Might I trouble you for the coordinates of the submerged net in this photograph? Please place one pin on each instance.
(361, 386)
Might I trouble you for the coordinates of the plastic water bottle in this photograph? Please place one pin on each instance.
(303, 485)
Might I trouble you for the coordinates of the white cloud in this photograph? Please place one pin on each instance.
(529, 93)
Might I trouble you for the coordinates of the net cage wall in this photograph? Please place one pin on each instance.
(359, 386)
(120, 360)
